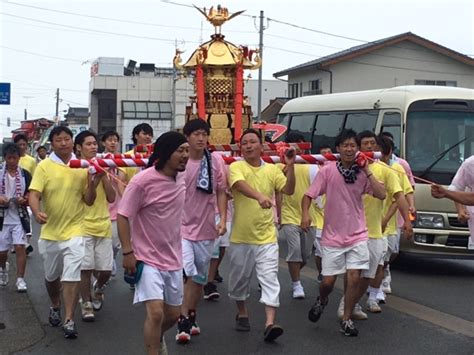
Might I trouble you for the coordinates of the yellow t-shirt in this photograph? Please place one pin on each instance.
(253, 224)
(62, 190)
(373, 206)
(291, 204)
(97, 217)
(131, 172)
(391, 228)
(28, 163)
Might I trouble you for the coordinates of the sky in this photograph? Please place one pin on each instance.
(46, 45)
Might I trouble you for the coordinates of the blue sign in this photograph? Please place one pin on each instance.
(4, 93)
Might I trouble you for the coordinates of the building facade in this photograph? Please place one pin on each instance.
(123, 97)
(405, 59)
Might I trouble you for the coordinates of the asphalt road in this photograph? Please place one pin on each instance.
(430, 313)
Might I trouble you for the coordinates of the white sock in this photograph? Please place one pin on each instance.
(373, 293)
(296, 283)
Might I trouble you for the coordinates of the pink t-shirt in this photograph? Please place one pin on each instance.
(344, 218)
(464, 181)
(199, 222)
(154, 205)
(113, 207)
(407, 169)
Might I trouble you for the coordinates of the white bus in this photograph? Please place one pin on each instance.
(433, 129)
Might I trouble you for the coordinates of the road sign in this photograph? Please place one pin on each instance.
(4, 93)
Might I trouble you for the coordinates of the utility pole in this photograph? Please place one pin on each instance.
(260, 70)
(57, 105)
(173, 89)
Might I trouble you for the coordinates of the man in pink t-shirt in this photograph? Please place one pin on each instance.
(149, 220)
(344, 237)
(206, 183)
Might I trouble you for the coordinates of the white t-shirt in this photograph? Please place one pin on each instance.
(464, 181)
(11, 214)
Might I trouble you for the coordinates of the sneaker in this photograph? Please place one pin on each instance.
(242, 324)
(386, 287)
(97, 297)
(54, 317)
(69, 329)
(373, 306)
(315, 312)
(21, 285)
(163, 348)
(29, 249)
(87, 312)
(380, 297)
(218, 278)
(195, 330)
(210, 292)
(184, 330)
(4, 276)
(319, 279)
(272, 332)
(298, 292)
(348, 328)
(358, 313)
(340, 308)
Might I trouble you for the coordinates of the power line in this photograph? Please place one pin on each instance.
(120, 20)
(317, 31)
(42, 55)
(91, 30)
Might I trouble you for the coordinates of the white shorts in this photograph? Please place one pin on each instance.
(62, 259)
(115, 237)
(155, 284)
(98, 254)
(300, 243)
(393, 245)
(196, 259)
(318, 251)
(377, 251)
(244, 259)
(223, 241)
(336, 261)
(12, 234)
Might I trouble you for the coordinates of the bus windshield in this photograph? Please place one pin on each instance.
(437, 142)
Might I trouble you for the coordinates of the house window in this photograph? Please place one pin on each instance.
(293, 90)
(313, 85)
(146, 110)
(436, 82)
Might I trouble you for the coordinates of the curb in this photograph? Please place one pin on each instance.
(19, 325)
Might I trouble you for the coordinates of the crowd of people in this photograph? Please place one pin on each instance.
(174, 220)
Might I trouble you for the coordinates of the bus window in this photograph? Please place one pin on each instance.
(283, 120)
(328, 126)
(303, 124)
(361, 121)
(392, 123)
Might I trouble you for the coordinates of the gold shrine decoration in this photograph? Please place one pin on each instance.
(218, 16)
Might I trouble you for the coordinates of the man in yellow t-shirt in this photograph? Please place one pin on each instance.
(389, 223)
(254, 236)
(27, 162)
(98, 255)
(374, 215)
(63, 193)
(300, 243)
(142, 134)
